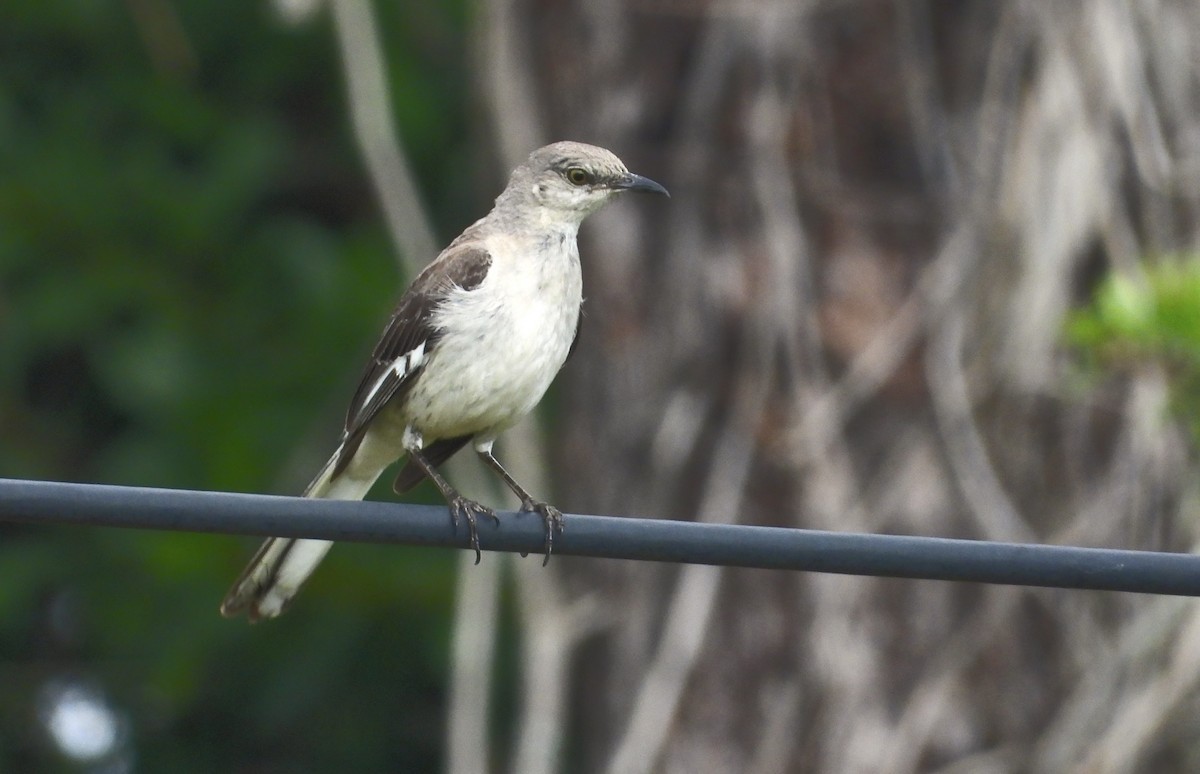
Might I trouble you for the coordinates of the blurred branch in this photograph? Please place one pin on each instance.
(472, 656)
(164, 37)
(506, 82)
(1088, 709)
(550, 630)
(1143, 714)
(378, 138)
(995, 514)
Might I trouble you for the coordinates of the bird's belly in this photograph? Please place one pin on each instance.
(485, 376)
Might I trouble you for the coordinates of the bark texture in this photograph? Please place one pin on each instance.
(849, 316)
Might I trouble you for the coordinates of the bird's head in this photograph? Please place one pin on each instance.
(573, 180)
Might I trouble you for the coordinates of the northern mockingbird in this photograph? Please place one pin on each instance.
(470, 349)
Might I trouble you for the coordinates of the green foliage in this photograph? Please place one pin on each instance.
(1151, 319)
(192, 267)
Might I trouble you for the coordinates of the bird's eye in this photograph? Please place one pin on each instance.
(578, 176)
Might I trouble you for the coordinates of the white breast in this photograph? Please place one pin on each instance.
(503, 342)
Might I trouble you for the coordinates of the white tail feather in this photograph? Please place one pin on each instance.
(281, 565)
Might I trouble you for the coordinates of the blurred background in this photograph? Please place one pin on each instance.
(929, 267)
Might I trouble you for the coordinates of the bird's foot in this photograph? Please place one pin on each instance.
(553, 519)
(469, 511)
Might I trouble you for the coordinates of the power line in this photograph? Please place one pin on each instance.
(49, 503)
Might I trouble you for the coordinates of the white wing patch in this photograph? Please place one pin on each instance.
(400, 368)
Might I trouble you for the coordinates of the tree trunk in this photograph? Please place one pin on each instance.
(849, 316)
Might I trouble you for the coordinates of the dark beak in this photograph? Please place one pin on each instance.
(632, 182)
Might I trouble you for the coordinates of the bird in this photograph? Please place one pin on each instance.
(471, 347)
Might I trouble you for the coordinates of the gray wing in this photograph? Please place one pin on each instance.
(408, 340)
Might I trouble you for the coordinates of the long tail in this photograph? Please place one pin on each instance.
(281, 566)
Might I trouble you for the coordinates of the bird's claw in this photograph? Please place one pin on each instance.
(469, 511)
(553, 519)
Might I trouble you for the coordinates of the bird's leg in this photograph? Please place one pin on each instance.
(460, 507)
(551, 516)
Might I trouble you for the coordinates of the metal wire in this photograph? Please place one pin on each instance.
(49, 503)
